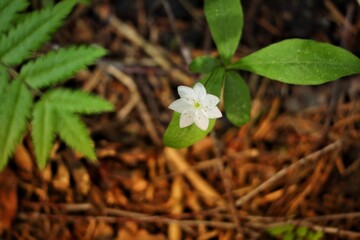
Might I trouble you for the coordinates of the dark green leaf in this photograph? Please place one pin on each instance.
(177, 137)
(204, 64)
(225, 19)
(298, 61)
(237, 100)
(215, 81)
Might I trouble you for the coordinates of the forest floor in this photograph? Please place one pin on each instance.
(295, 167)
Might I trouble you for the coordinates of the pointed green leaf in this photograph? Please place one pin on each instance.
(32, 32)
(204, 64)
(298, 61)
(8, 10)
(43, 131)
(214, 83)
(77, 101)
(177, 137)
(225, 19)
(57, 66)
(14, 112)
(74, 133)
(237, 100)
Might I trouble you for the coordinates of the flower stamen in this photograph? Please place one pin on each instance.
(197, 105)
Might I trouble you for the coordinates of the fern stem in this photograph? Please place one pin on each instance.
(14, 74)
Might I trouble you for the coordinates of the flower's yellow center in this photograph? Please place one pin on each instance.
(197, 105)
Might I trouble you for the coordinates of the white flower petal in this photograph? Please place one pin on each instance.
(210, 101)
(187, 93)
(200, 91)
(187, 118)
(201, 120)
(180, 105)
(213, 113)
(196, 106)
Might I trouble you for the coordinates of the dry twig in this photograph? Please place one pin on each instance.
(306, 160)
(135, 101)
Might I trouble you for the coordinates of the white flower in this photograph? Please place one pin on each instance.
(196, 106)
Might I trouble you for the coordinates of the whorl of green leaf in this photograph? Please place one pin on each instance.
(77, 101)
(32, 32)
(237, 99)
(8, 8)
(14, 112)
(58, 66)
(225, 19)
(75, 134)
(43, 131)
(300, 61)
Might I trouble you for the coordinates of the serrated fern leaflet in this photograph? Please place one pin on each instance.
(4, 79)
(14, 112)
(57, 66)
(32, 32)
(8, 8)
(74, 133)
(77, 101)
(43, 131)
(55, 114)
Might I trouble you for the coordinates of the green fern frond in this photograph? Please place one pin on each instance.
(14, 112)
(43, 131)
(3, 86)
(20, 17)
(75, 134)
(57, 66)
(8, 8)
(77, 101)
(4, 82)
(32, 32)
(54, 113)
